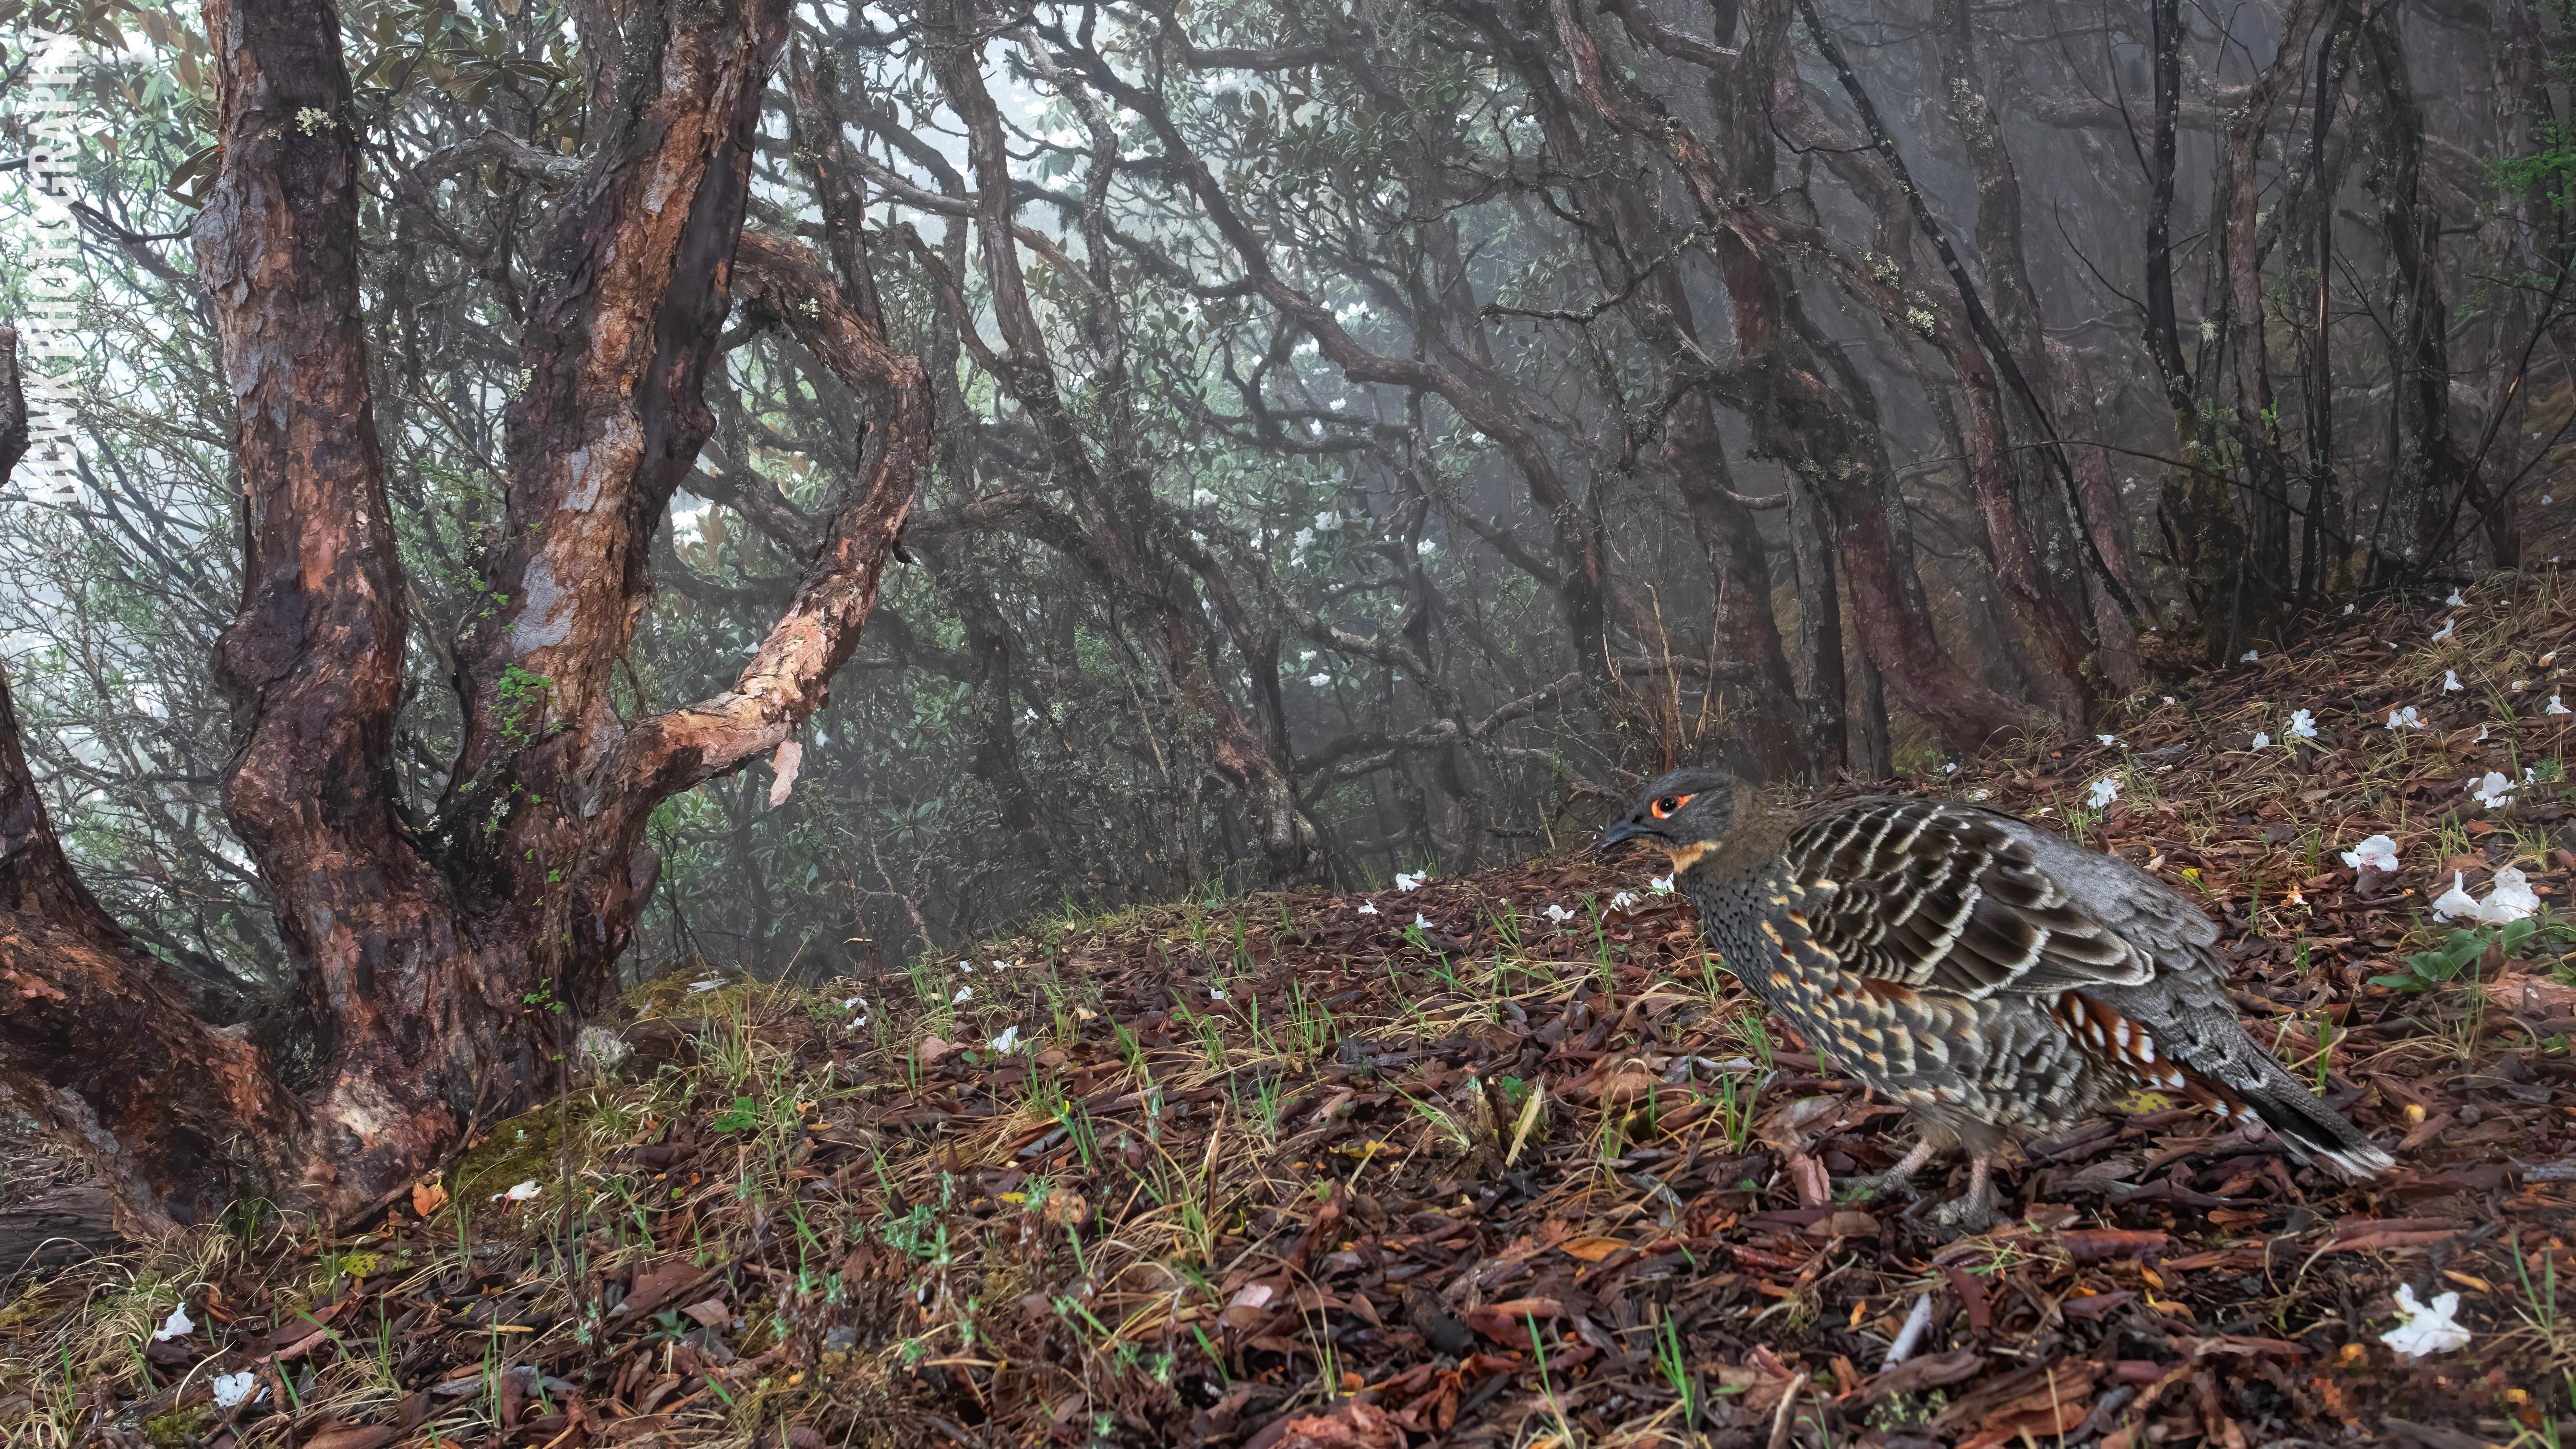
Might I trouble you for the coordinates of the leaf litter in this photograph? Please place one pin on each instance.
(1281, 1171)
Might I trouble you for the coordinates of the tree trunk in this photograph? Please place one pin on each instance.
(1820, 630)
(1802, 409)
(2429, 472)
(427, 963)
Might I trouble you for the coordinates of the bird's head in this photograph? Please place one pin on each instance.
(1684, 814)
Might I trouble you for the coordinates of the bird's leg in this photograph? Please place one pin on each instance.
(1896, 1178)
(1971, 1211)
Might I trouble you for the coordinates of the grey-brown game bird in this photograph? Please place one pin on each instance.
(1995, 980)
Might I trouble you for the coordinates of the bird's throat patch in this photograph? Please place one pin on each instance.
(1689, 855)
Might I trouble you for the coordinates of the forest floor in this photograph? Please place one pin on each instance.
(1501, 1159)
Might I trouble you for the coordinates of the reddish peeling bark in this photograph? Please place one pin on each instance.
(313, 658)
(95, 1038)
(418, 958)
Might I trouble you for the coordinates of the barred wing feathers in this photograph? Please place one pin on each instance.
(1946, 898)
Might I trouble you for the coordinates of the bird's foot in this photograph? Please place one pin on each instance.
(1972, 1211)
(1875, 1186)
(1899, 1178)
(1969, 1212)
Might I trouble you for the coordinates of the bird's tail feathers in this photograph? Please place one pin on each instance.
(2312, 1130)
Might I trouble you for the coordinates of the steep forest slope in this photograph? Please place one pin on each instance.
(1495, 1159)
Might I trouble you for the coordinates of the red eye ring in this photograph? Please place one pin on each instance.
(1664, 808)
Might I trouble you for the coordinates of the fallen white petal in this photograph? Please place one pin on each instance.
(2422, 1331)
(2512, 899)
(2455, 902)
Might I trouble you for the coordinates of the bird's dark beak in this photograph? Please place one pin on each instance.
(1619, 833)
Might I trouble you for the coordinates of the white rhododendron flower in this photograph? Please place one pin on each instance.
(1318, 681)
(1623, 902)
(2112, 740)
(1949, 769)
(1559, 914)
(2492, 791)
(2422, 1332)
(232, 1389)
(964, 995)
(2406, 719)
(1366, 909)
(2455, 903)
(2512, 899)
(2262, 741)
(2455, 601)
(2445, 631)
(2105, 790)
(1423, 921)
(177, 1325)
(2556, 708)
(1405, 882)
(2451, 682)
(2303, 724)
(1009, 1040)
(1660, 883)
(2378, 852)
(522, 1192)
(2251, 657)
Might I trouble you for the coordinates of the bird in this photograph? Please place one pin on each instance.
(1995, 980)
